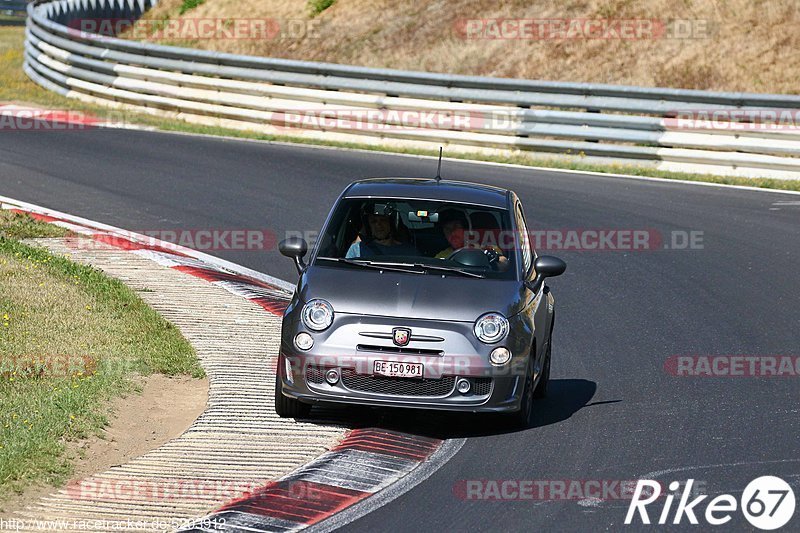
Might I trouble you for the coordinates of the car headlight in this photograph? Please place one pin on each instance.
(317, 315)
(491, 328)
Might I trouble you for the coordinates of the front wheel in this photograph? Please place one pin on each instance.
(522, 418)
(288, 407)
(541, 387)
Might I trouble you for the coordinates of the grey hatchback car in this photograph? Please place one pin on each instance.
(419, 293)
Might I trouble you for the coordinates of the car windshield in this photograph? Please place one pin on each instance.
(420, 236)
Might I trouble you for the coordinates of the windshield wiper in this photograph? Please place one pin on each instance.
(450, 269)
(440, 268)
(369, 264)
(399, 267)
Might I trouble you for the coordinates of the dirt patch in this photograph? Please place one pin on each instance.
(139, 423)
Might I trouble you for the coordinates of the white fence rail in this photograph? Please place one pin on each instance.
(743, 134)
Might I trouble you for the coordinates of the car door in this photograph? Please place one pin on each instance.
(537, 308)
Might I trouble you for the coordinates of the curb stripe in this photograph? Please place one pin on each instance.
(276, 308)
(364, 463)
(298, 501)
(395, 451)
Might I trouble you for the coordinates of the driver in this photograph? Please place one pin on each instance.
(381, 236)
(454, 223)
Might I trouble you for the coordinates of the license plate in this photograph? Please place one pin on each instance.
(397, 370)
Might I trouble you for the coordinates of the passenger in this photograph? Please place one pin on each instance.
(454, 225)
(381, 238)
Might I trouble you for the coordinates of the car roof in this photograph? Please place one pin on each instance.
(429, 189)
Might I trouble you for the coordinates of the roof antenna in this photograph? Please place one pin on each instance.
(439, 169)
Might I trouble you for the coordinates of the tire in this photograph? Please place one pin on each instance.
(288, 407)
(522, 418)
(541, 387)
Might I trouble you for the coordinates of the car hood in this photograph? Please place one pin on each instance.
(423, 296)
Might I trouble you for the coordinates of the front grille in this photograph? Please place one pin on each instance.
(482, 386)
(315, 375)
(397, 349)
(397, 386)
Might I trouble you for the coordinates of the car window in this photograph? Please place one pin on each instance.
(473, 238)
(524, 239)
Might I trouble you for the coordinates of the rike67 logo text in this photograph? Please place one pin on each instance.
(767, 502)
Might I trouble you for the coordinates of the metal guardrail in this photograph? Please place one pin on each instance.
(625, 124)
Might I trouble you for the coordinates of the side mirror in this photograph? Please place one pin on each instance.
(294, 248)
(546, 266)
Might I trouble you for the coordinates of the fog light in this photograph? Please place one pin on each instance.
(289, 373)
(500, 356)
(463, 386)
(332, 376)
(304, 341)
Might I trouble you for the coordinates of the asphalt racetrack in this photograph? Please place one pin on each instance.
(616, 411)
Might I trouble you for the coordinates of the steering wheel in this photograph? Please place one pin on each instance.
(475, 257)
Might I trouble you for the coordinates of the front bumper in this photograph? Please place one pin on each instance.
(503, 397)
(352, 355)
